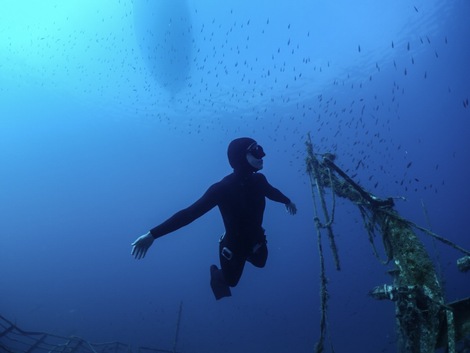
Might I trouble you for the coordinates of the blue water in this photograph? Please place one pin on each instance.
(114, 115)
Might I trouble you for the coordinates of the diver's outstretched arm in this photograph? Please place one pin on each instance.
(178, 220)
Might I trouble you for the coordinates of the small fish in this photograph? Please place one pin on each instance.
(359, 48)
(393, 45)
(409, 165)
(416, 9)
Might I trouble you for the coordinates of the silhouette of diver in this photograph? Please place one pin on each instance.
(240, 197)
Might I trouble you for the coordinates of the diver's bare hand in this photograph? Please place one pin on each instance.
(141, 245)
(291, 208)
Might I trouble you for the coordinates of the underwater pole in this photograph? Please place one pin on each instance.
(177, 327)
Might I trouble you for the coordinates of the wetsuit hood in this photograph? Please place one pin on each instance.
(236, 153)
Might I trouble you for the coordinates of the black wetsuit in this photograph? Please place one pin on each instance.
(241, 201)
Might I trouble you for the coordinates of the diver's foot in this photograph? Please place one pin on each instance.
(218, 284)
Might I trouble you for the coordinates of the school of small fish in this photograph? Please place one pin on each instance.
(234, 71)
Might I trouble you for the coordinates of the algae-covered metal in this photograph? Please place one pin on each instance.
(423, 320)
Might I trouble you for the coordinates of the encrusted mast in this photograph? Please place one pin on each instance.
(424, 322)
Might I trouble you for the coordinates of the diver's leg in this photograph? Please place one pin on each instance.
(219, 287)
(259, 256)
(232, 264)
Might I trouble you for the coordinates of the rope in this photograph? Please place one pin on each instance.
(333, 197)
(319, 347)
(370, 227)
(314, 182)
(382, 205)
(428, 232)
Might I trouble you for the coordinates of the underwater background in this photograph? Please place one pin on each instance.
(116, 114)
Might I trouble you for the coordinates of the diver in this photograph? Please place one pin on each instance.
(240, 197)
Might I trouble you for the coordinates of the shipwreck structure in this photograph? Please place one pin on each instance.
(13, 339)
(425, 322)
